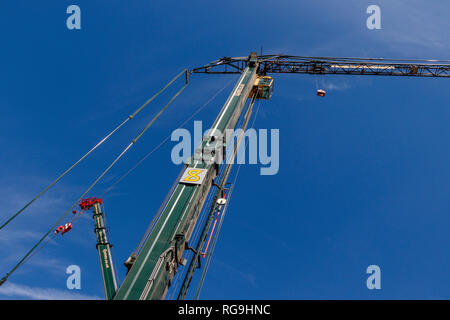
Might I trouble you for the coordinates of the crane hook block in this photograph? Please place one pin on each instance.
(63, 229)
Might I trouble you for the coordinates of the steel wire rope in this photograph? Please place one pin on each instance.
(93, 184)
(121, 178)
(205, 270)
(164, 140)
(90, 151)
(195, 237)
(188, 277)
(157, 215)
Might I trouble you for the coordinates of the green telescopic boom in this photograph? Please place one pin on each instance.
(154, 268)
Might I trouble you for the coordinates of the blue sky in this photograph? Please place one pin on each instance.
(364, 175)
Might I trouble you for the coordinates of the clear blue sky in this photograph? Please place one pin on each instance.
(364, 174)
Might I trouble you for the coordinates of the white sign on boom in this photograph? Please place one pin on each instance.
(193, 176)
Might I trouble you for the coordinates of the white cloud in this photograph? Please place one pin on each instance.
(19, 194)
(18, 235)
(409, 29)
(36, 293)
(249, 277)
(337, 87)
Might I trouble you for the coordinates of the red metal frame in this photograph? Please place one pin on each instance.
(88, 203)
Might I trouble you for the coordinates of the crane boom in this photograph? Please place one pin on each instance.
(152, 271)
(327, 65)
(150, 275)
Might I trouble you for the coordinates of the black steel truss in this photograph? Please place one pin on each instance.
(327, 65)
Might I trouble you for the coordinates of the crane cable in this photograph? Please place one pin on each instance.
(185, 71)
(242, 124)
(157, 215)
(95, 182)
(126, 174)
(208, 261)
(213, 227)
(165, 140)
(52, 237)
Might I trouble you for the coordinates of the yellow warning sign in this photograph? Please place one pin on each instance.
(193, 176)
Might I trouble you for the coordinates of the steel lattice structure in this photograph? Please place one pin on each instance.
(328, 65)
